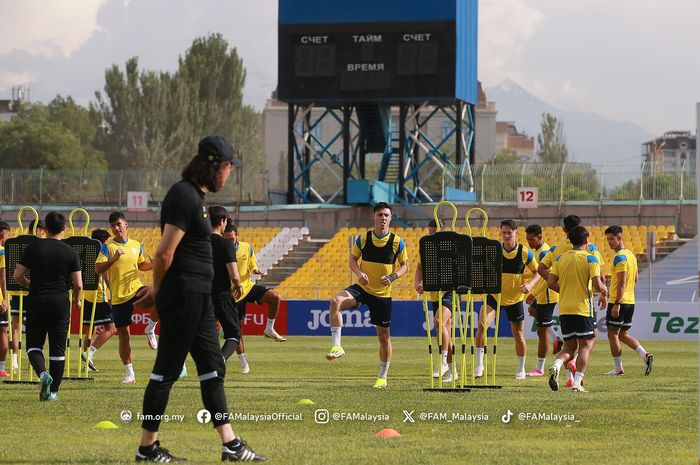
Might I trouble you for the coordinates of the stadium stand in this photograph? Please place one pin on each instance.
(327, 271)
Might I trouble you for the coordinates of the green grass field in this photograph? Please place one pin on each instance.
(624, 420)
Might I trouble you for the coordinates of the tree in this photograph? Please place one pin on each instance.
(46, 137)
(505, 156)
(141, 120)
(551, 147)
(155, 120)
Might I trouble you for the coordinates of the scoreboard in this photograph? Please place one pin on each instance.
(367, 61)
(325, 57)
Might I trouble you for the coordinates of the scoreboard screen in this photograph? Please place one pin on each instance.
(366, 61)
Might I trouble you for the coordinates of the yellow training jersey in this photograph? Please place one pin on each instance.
(246, 262)
(542, 293)
(575, 269)
(624, 261)
(378, 256)
(513, 270)
(123, 275)
(557, 250)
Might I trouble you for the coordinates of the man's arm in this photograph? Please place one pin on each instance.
(400, 271)
(418, 279)
(355, 268)
(77, 278)
(171, 238)
(146, 265)
(599, 285)
(101, 267)
(18, 275)
(235, 278)
(553, 282)
(543, 271)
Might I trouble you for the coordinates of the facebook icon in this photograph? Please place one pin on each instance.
(203, 416)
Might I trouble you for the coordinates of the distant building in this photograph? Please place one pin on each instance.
(508, 137)
(8, 109)
(673, 147)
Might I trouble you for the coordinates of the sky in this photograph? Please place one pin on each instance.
(627, 60)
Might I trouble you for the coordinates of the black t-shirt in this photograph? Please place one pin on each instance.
(50, 262)
(191, 269)
(224, 253)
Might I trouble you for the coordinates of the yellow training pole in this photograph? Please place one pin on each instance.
(495, 336)
(89, 334)
(19, 344)
(453, 368)
(70, 321)
(438, 333)
(82, 307)
(430, 339)
(22, 294)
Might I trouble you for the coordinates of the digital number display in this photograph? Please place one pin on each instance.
(366, 61)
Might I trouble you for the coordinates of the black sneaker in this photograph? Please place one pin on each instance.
(243, 454)
(157, 454)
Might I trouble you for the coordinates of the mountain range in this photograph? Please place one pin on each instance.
(589, 137)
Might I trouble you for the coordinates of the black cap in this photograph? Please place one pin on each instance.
(216, 148)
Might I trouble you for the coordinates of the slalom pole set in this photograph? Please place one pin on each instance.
(461, 265)
(87, 250)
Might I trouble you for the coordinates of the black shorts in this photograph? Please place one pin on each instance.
(255, 295)
(545, 313)
(3, 319)
(121, 313)
(446, 302)
(623, 322)
(379, 307)
(227, 314)
(577, 327)
(515, 312)
(103, 313)
(50, 317)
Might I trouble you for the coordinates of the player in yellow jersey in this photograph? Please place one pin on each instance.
(373, 260)
(103, 311)
(516, 258)
(621, 305)
(572, 276)
(446, 307)
(122, 259)
(541, 300)
(4, 235)
(569, 223)
(247, 266)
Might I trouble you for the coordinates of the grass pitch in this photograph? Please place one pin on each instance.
(631, 419)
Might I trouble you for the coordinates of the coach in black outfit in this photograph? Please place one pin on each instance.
(53, 264)
(182, 286)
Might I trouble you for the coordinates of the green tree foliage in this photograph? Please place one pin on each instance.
(551, 147)
(505, 156)
(154, 120)
(656, 187)
(56, 136)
